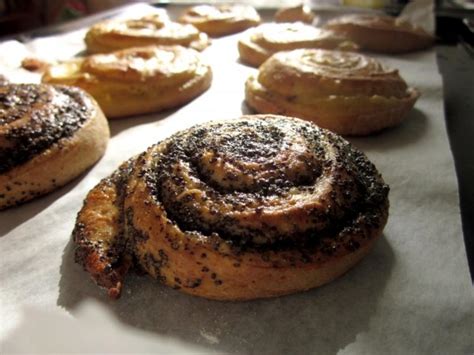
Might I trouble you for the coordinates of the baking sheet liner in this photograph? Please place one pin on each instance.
(412, 294)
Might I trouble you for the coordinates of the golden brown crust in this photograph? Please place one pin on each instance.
(259, 43)
(347, 93)
(382, 34)
(112, 35)
(256, 207)
(301, 13)
(221, 20)
(74, 135)
(127, 82)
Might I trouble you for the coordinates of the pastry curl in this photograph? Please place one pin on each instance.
(221, 20)
(137, 80)
(48, 136)
(383, 34)
(112, 35)
(348, 93)
(259, 43)
(259, 206)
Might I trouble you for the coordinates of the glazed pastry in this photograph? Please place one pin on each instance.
(259, 43)
(301, 13)
(382, 34)
(221, 20)
(153, 29)
(254, 207)
(48, 136)
(345, 92)
(137, 80)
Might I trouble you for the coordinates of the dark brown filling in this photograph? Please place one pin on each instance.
(356, 185)
(50, 113)
(356, 206)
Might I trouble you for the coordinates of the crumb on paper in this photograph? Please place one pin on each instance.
(34, 64)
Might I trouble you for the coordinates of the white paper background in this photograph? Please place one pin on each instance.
(411, 295)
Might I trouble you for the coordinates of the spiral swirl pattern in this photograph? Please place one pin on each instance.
(34, 117)
(345, 92)
(327, 73)
(155, 29)
(49, 135)
(172, 65)
(259, 43)
(126, 82)
(262, 184)
(258, 181)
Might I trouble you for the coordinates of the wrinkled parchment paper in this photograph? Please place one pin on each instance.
(412, 294)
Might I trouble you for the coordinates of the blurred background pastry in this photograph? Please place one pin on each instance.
(136, 80)
(222, 19)
(155, 29)
(259, 43)
(300, 13)
(384, 34)
(346, 92)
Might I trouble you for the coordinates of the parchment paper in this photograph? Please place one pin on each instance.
(412, 294)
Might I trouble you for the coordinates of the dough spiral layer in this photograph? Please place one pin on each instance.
(345, 92)
(382, 34)
(137, 80)
(255, 207)
(153, 29)
(221, 20)
(48, 136)
(259, 43)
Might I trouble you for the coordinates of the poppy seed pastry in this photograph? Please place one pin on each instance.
(155, 29)
(345, 92)
(257, 44)
(383, 34)
(48, 136)
(136, 80)
(222, 19)
(255, 207)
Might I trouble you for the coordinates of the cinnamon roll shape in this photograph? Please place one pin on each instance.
(48, 136)
(254, 207)
(259, 43)
(220, 20)
(136, 80)
(156, 29)
(345, 92)
(383, 34)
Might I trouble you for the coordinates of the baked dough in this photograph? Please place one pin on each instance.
(301, 13)
(383, 34)
(48, 136)
(153, 29)
(137, 80)
(345, 92)
(259, 43)
(259, 206)
(221, 20)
